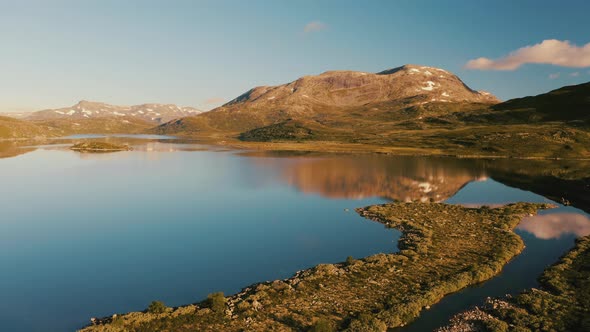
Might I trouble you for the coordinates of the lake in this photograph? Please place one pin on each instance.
(88, 235)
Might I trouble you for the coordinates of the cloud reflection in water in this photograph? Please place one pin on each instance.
(553, 226)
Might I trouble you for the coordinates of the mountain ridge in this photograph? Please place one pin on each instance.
(84, 109)
(334, 93)
(575, 99)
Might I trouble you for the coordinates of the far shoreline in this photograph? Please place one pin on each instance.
(331, 147)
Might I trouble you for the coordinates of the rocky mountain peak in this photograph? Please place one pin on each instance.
(423, 84)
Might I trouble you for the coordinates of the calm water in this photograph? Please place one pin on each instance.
(86, 235)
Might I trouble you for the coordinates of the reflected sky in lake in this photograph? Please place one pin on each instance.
(556, 225)
(85, 235)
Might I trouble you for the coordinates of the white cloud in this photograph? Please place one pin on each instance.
(575, 74)
(551, 51)
(554, 76)
(314, 26)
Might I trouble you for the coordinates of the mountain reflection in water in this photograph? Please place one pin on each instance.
(404, 179)
(407, 179)
(412, 178)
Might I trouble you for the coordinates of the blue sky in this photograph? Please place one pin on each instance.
(198, 53)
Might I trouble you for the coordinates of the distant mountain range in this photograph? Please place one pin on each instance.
(154, 113)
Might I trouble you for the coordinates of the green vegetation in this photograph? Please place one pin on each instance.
(349, 260)
(562, 303)
(431, 135)
(323, 325)
(287, 130)
(216, 302)
(156, 307)
(443, 249)
(366, 323)
(99, 147)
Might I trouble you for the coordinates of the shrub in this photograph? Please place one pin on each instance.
(244, 306)
(216, 302)
(323, 325)
(156, 307)
(366, 323)
(495, 325)
(118, 321)
(349, 260)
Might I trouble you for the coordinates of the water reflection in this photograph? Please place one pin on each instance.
(558, 180)
(9, 149)
(406, 178)
(556, 225)
(85, 235)
(176, 203)
(401, 178)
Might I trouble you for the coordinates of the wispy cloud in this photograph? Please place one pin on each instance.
(214, 100)
(314, 26)
(554, 76)
(575, 74)
(551, 51)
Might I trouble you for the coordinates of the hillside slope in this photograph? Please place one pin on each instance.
(569, 103)
(11, 128)
(98, 125)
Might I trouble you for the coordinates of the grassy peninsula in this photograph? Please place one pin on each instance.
(443, 249)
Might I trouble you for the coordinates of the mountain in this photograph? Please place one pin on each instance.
(326, 97)
(154, 113)
(411, 108)
(419, 84)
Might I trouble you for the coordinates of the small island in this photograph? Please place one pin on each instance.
(99, 147)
